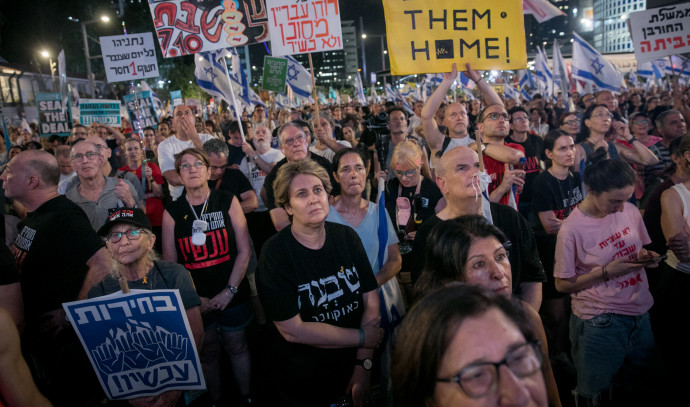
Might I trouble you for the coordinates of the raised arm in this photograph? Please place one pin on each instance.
(434, 137)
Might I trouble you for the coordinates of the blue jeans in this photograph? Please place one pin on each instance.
(609, 344)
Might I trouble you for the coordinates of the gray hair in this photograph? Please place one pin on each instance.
(661, 118)
(216, 146)
(282, 128)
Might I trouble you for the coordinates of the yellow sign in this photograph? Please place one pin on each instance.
(427, 36)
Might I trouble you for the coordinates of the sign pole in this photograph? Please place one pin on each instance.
(313, 86)
(234, 101)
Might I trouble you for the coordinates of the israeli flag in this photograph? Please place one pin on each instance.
(298, 78)
(544, 76)
(560, 75)
(651, 69)
(211, 74)
(434, 79)
(359, 90)
(510, 92)
(590, 66)
(466, 82)
(678, 64)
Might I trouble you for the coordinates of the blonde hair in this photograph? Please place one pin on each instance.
(407, 154)
(288, 172)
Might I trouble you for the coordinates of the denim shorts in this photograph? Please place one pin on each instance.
(612, 346)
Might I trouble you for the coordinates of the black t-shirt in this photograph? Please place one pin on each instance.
(162, 276)
(522, 248)
(52, 248)
(429, 193)
(268, 181)
(234, 182)
(324, 285)
(534, 151)
(211, 264)
(552, 194)
(9, 274)
(235, 155)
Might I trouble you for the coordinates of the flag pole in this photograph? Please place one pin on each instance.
(234, 100)
(313, 87)
(478, 136)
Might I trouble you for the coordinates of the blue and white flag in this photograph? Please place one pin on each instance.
(527, 84)
(434, 79)
(359, 91)
(465, 81)
(590, 66)
(510, 92)
(390, 94)
(544, 76)
(211, 74)
(678, 64)
(298, 78)
(157, 104)
(655, 68)
(561, 81)
(632, 78)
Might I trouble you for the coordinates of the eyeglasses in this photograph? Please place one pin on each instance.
(289, 142)
(587, 100)
(572, 122)
(406, 173)
(479, 379)
(603, 115)
(197, 165)
(89, 155)
(640, 121)
(520, 119)
(132, 234)
(495, 116)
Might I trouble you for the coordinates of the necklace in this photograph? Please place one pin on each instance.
(565, 198)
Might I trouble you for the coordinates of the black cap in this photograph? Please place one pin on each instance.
(132, 216)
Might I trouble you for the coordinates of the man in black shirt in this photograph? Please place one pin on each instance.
(229, 179)
(60, 258)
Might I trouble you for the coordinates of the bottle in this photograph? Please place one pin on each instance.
(519, 166)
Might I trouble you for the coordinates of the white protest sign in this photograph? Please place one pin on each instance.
(129, 57)
(660, 32)
(301, 26)
(140, 344)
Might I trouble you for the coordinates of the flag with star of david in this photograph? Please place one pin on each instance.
(298, 78)
(211, 74)
(590, 66)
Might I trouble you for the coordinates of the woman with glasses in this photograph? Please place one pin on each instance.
(600, 262)
(467, 346)
(570, 123)
(539, 124)
(317, 286)
(591, 141)
(205, 230)
(470, 250)
(129, 240)
(640, 127)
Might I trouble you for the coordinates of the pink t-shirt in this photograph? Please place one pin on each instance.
(585, 243)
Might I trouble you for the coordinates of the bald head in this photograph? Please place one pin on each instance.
(452, 157)
(40, 163)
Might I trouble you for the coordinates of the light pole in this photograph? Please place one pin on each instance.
(88, 57)
(46, 54)
(384, 52)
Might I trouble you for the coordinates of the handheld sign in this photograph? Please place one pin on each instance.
(427, 36)
(301, 26)
(139, 344)
(52, 118)
(275, 71)
(176, 96)
(660, 32)
(188, 27)
(129, 57)
(102, 111)
(146, 114)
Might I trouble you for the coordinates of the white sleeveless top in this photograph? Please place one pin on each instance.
(672, 260)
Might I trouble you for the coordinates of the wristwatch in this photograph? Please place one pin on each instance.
(367, 364)
(233, 290)
(255, 157)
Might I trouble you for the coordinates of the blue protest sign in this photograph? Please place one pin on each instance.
(146, 114)
(139, 344)
(102, 111)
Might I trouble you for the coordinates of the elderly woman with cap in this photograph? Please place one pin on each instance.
(129, 240)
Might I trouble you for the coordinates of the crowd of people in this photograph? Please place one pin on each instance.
(527, 250)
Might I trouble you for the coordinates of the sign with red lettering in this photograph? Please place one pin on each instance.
(185, 27)
(660, 32)
(301, 26)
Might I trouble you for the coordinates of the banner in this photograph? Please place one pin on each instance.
(298, 27)
(176, 96)
(102, 111)
(660, 32)
(129, 57)
(52, 116)
(185, 27)
(139, 344)
(428, 36)
(275, 71)
(146, 115)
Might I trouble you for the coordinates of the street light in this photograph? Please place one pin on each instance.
(88, 57)
(384, 51)
(46, 54)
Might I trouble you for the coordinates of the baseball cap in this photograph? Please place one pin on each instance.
(132, 216)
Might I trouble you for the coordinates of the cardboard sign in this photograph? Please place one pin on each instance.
(139, 344)
(146, 114)
(102, 111)
(185, 27)
(53, 118)
(129, 57)
(176, 96)
(194, 105)
(660, 32)
(275, 71)
(301, 26)
(428, 36)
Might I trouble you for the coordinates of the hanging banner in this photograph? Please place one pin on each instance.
(301, 26)
(146, 115)
(53, 115)
(129, 57)
(428, 36)
(188, 27)
(139, 344)
(275, 71)
(660, 32)
(102, 111)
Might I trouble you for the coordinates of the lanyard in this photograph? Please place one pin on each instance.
(203, 209)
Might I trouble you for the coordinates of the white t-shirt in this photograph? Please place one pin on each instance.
(256, 175)
(328, 153)
(168, 150)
